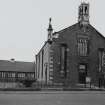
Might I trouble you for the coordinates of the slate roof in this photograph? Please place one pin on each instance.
(19, 66)
(76, 25)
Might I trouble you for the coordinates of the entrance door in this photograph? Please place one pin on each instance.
(82, 73)
(100, 82)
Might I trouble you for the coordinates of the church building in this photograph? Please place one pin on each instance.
(74, 55)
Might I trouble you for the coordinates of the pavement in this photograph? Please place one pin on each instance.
(52, 98)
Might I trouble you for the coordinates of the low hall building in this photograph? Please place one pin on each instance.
(16, 74)
(74, 55)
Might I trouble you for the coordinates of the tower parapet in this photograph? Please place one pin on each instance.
(83, 14)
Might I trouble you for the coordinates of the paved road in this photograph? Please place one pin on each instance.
(52, 98)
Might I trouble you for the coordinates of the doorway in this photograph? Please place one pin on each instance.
(82, 73)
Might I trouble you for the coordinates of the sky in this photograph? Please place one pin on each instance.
(24, 23)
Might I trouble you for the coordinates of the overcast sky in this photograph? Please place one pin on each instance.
(24, 23)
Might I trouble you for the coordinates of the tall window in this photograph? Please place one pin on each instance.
(101, 52)
(39, 66)
(82, 47)
(103, 59)
(63, 59)
(42, 63)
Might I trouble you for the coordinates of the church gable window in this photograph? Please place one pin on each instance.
(82, 45)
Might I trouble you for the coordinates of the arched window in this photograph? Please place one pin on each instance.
(82, 47)
(81, 10)
(86, 10)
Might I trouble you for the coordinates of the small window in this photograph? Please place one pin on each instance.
(82, 66)
(81, 10)
(13, 75)
(86, 9)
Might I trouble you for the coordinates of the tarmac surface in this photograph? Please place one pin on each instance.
(52, 98)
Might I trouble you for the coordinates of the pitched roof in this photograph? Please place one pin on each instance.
(77, 25)
(19, 66)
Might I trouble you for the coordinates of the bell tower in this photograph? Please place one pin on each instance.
(83, 14)
(50, 30)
